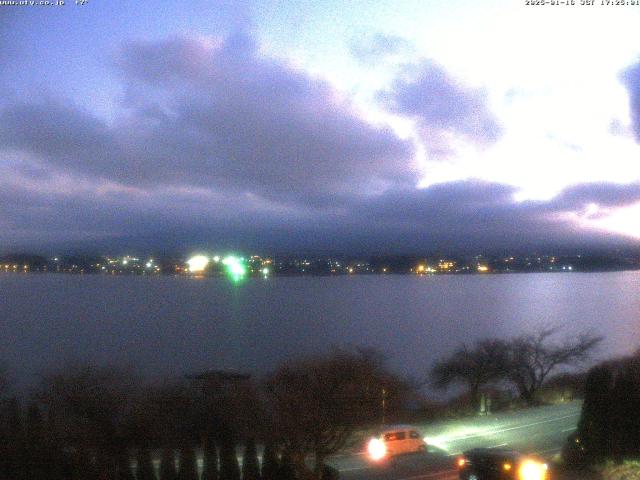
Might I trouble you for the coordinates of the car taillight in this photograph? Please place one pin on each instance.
(462, 462)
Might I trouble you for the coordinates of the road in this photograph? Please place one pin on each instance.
(541, 430)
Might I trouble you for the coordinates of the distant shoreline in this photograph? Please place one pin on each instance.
(238, 266)
(324, 275)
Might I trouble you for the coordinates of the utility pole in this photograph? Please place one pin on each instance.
(384, 405)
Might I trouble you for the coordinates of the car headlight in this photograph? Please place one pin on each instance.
(377, 449)
(532, 470)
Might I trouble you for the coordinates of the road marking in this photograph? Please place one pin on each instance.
(548, 450)
(569, 429)
(351, 469)
(519, 427)
(500, 445)
(453, 473)
(352, 454)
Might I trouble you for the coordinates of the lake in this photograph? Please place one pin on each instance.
(173, 325)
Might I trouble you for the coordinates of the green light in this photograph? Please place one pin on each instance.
(235, 267)
(228, 260)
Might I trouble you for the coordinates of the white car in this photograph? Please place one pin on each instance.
(396, 440)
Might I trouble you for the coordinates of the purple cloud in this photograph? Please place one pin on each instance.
(604, 194)
(216, 115)
(234, 118)
(63, 136)
(440, 103)
(447, 217)
(217, 144)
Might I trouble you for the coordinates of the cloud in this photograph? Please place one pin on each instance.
(232, 117)
(375, 48)
(466, 216)
(631, 79)
(213, 113)
(609, 195)
(63, 136)
(442, 105)
(476, 215)
(215, 143)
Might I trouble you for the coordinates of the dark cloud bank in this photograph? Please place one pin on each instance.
(217, 145)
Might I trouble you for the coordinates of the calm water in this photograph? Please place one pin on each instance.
(172, 325)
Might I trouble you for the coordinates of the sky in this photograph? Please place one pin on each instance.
(394, 126)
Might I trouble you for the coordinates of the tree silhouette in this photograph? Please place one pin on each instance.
(87, 406)
(229, 469)
(124, 471)
(4, 381)
(594, 433)
(318, 402)
(270, 464)
(286, 470)
(250, 466)
(168, 465)
(144, 470)
(624, 417)
(473, 367)
(37, 457)
(210, 461)
(188, 469)
(12, 464)
(609, 426)
(531, 358)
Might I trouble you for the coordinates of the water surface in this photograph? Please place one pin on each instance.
(172, 325)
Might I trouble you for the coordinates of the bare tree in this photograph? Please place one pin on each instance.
(473, 367)
(317, 403)
(531, 358)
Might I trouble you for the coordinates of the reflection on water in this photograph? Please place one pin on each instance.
(172, 325)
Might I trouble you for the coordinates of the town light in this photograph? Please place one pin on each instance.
(377, 449)
(197, 263)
